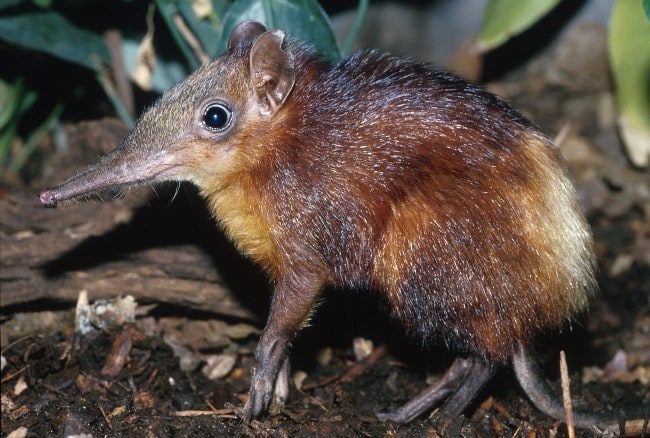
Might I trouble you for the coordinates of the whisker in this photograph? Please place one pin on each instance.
(178, 187)
(153, 187)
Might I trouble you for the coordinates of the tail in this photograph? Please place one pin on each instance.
(539, 391)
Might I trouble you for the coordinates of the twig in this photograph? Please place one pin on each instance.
(132, 386)
(113, 40)
(191, 39)
(101, 409)
(360, 367)
(561, 136)
(212, 407)
(17, 341)
(11, 376)
(321, 383)
(51, 388)
(352, 373)
(152, 377)
(222, 413)
(499, 408)
(314, 400)
(566, 394)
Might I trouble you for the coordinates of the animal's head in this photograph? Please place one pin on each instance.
(204, 128)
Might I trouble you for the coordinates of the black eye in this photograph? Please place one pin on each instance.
(216, 117)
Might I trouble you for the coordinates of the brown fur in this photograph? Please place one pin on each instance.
(465, 219)
(375, 173)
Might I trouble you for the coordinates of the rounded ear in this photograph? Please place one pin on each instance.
(246, 31)
(272, 71)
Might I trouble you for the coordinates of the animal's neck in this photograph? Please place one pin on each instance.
(244, 214)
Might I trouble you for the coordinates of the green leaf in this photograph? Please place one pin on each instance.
(629, 52)
(503, 19)
(646, 6)
(166, 72)
(45, 4)
(15, 100)
(303, 19)
(12, 101)
(362, 10)
(169, 10)
(219, 9)
(32, 141)
(51, 33)
(6, 4)
(205, 31)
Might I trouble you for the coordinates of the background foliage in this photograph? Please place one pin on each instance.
(161, 42)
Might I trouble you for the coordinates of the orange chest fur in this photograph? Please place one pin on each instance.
(245, 218)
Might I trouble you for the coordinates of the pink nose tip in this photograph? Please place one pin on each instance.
(47, 197)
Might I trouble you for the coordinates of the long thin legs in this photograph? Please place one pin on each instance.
(463, 380)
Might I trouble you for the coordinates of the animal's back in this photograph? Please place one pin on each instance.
(417, 184)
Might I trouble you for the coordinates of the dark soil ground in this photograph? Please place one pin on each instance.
(143, 370)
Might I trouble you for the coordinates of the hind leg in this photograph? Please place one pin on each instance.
(462, 381)
(477, 375)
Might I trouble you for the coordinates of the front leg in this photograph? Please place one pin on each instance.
(293, 300)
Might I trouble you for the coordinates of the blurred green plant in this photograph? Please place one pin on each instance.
(200, 29)
(15, 101)
(503, 19)
(629, 53)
